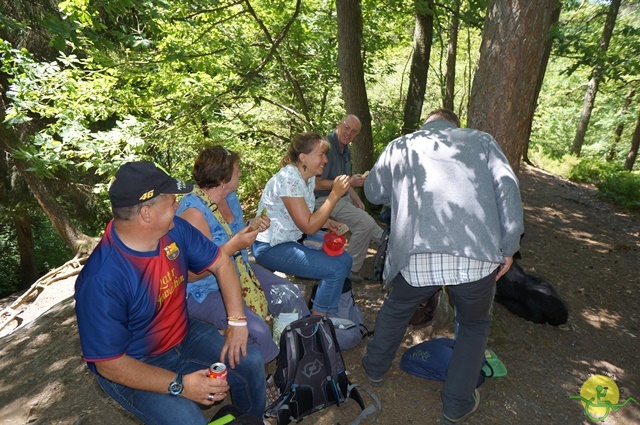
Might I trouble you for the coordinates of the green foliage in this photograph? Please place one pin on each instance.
(623, 188)
(613, 182)
(579, 39)
(10, 264)
(589, 170)
(559, 166)
(50, 252)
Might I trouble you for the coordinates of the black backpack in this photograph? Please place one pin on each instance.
(381, 254)
(311, 373)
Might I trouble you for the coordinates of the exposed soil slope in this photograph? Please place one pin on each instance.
(587, 248)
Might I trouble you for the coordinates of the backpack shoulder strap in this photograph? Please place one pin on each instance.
(288, 355)
(326, 338)
(355, 395)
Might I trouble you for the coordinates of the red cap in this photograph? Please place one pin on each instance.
(333, 244)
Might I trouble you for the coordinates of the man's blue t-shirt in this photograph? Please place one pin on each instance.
(338, 163)
(134, 303)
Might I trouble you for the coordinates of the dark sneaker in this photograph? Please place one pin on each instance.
(374, 382)
(448, 421)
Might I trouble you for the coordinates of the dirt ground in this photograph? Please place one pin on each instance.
(586, 247)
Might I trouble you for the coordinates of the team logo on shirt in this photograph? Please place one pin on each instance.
(172, 251)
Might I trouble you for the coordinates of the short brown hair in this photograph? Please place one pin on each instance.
(443, 114)
(214, 166)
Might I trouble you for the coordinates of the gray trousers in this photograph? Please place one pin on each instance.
(362, 226)
(473, 302)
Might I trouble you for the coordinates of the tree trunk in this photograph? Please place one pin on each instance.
(422, 36)
(503, 96)
(596, 75)
(26, 247)
(351, 70)
(37, 40)
(273, 51)
(77, 241)
(633, 151)
(541, 73)
(617, 133)
(452, 50)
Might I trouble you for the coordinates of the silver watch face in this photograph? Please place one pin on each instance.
(175, 388)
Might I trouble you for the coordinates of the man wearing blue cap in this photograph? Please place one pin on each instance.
(132, 316)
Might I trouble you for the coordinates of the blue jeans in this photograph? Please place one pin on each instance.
(198, 350)
(298, 260)
(472, 301)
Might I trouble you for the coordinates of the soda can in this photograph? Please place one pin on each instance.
(218, 371)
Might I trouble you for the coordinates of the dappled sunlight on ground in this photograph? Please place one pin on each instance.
(601, 318)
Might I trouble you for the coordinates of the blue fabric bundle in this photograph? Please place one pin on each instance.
(430, 359)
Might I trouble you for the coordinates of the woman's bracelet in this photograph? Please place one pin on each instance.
(237, 318)
(237, 323)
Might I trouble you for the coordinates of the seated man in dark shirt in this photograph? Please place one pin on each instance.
(131, 308)
(350, 208)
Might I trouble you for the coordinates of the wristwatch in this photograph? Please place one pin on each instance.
(176, 387)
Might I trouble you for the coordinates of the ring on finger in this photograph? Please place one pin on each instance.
(210, 397)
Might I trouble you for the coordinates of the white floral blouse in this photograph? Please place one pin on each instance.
(285, 183)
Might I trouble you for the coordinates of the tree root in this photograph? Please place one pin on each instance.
(68, 269)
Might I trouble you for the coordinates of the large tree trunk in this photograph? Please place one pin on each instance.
(633, 151)
(77, 241)
(541, 73)
(452, 55)
(351, 70)
(422, 36)
(596, 75)
(503, 96)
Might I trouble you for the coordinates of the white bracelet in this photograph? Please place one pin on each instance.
(237, 323)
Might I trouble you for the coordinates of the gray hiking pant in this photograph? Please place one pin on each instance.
(473, 303)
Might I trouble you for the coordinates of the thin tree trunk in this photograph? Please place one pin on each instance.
(452, 55)
(617, 133)
(633, 151)
(503, 96)
(596, 75)
(273, 52)
(422, 36)
(26, 248)
(351, 70)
